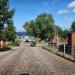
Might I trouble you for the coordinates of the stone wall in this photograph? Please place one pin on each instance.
(71, 41)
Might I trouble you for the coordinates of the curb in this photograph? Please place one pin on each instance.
(59, 55)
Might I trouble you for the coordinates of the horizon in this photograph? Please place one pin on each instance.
(63, 11)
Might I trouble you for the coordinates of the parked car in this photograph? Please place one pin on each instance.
(28, 40)
(33, 44)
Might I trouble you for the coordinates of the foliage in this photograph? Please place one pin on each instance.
(42, 27)
(31, 28)
(58, 31)
(65, 33)
(13, 44)
(73, 26)
(45, 23)
(10, 32)
(6, 14)
(61, 32)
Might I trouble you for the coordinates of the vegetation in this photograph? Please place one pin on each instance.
(73, 26)
(42, 27)
(13, 44)
(6, 16)
(61, 32)
(65, 33)
(10, 32)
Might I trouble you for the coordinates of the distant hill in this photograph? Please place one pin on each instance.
(21, 33)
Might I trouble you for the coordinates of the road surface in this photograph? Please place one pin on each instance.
(34, 61)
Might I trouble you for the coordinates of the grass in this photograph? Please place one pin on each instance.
(49, 48)
(39, 44)
(10, 46)
(13, 44)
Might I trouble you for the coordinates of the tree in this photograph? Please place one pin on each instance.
(6, 14)
(43, 26)
(65, 33)
(31, 28)
(59, 31)
(10, 32)
(73, 26)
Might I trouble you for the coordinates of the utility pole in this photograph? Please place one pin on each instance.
(64, 49)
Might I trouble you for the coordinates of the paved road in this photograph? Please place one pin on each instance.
(35, 61)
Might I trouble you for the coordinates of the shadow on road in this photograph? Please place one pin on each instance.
(4, 49)
(24, 74)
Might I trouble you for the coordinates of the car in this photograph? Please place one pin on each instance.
(28, 40)
(33, 44)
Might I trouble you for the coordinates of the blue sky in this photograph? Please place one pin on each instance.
(63, 11)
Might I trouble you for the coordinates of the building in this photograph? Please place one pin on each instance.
(21, 35)
(2, 44)
(71, 42)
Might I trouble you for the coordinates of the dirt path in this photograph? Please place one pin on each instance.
(35, 61)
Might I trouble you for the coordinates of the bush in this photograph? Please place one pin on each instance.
(15, 43)
(12, 44)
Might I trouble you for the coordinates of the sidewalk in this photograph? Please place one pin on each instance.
(55, 51)
(66, 56)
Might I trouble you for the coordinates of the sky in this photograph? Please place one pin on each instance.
(63, 11)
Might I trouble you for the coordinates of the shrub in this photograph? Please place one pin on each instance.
(11, 44)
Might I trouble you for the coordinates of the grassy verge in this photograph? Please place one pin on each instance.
(10, 46)
(48, 48)
(40, 44)
(13, 44)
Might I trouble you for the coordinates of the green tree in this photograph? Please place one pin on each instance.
(5, 15)
(65, 33)
(45, 24)
(73, 26)
(31, 28)
(10, 32)
(62, 33)
(59, 31)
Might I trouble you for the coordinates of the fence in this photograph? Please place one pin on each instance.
(65, 49)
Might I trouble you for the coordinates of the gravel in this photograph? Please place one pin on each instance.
(34, 61)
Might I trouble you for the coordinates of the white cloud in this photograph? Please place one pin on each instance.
(70, 8)
(73, 10)
(72, 4)
(66, 11)
(66, 18)
(63, 11)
